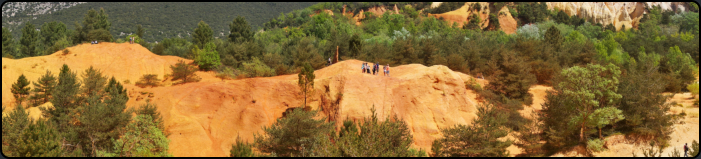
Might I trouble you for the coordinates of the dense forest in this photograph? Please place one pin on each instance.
(605, 81)
(164, 19)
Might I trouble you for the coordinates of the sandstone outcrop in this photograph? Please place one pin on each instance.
(619, 14)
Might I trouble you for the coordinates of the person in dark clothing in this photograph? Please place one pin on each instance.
(377, 67)
(367, 68)
(374, 69)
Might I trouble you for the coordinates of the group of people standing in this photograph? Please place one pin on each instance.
(375, 68)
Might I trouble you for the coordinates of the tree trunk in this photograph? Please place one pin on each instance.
(581, 131)
(600, 134)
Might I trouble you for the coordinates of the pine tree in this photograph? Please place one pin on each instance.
(241, 149)
(240, 30)
(20, 90)
(151, 110)
(184, 72)
(591, 87)
(202, 34)
(140, 31)
(93, 82)
(119, 88)
(29, 41)
(101, 121)
(389, 138)
(62, 115)
(529, 139)
(478, 140)
(554, 38)
(12, 126)
(306, 81)
(293, 135)
(39, 140)
(44, 88)
(142, 138)
(8, 43)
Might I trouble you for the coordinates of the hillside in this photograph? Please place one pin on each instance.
(205, 117)
(160, 20)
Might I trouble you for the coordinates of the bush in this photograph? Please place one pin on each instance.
(207, 58)
(184, 72)
(595, 145)
(225, 72)
(256, 68)
(529, 31)
(148, 80)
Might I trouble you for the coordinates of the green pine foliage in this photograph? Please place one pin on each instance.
(141, 138)
(119, 88)
(93, 82)
(152, 111)
(184, 72)
(241, 149)
(202, 34)
(102, 121)
(39, 139)
(240, 30)
(13, 124)
(8, 44)
(43, 88)
(29, 42)
(306, 81)
(148, 80)
(372, 138)
(578, 93)
(294, 135)
(64, 99)
(694, 148)
(20, 89)
(477, 140)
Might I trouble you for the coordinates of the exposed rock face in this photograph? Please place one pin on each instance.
(205, 117)
(123, 61)
(619, 14)
(462, 15)
(11, 9)
(377, 11)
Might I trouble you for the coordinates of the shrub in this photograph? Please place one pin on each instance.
(529, 31)
(256, 68)
(66, 52)
(225, 72)
(595, 145)
(184, 72)
(207, 58)
(148, 80)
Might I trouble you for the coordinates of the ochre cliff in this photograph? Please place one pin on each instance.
(204, 118)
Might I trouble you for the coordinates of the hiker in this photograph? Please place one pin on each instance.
(686, 149)
(367, 67)
(363, 67)
(374, 69)
(377, 67)
(329, 61)
(384, 70)
(387, 70)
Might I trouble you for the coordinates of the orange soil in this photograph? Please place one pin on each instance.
(204, 118)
